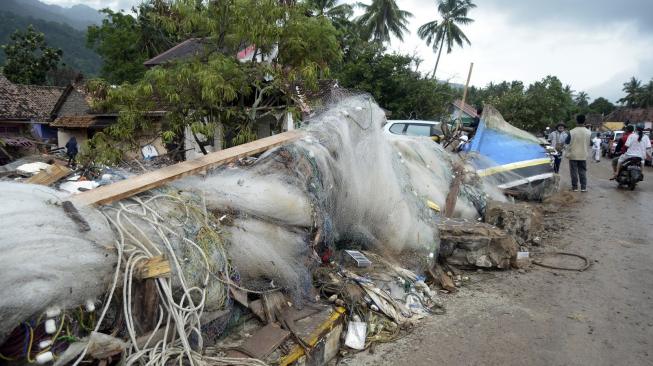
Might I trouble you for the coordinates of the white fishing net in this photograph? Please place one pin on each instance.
(45, 260)
(346, 183)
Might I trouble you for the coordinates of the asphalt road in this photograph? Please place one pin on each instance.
(603, 316)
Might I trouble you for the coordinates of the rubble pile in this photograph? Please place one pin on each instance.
(169, 275)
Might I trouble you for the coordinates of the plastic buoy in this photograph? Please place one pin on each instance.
(50, 326)
(44, 357)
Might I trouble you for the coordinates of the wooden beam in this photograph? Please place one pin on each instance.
(134, 185)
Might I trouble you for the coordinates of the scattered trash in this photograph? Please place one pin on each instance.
(32, 168)
(357, 257)
(356, 333)
(78, 186)
(149, 152)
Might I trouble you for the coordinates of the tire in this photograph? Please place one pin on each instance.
(632, 186)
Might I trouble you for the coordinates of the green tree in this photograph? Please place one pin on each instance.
(215, 89)
(392, 82)
(645, 97)
(28, 57)
(602, 106)
(582, 100)
(542, 104)
(383, 18)
(632, 88)
(437, 33)
(330, 8)
(125, 41)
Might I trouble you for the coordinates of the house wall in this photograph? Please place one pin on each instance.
(153, 137)
(64, 134)
(74, 105)
(11, 128)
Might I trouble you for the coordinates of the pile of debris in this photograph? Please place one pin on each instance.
(291, 247)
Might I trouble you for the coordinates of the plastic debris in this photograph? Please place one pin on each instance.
(357, 257)
(32, 168)
(79, 186)
(356, 333)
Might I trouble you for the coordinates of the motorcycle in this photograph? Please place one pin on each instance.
(630, 173)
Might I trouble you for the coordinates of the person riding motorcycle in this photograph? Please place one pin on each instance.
(637, 145)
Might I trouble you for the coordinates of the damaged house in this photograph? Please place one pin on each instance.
(25, 116)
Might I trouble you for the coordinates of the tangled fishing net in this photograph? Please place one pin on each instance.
(255, 226)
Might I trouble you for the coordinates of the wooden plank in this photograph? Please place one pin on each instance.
(297, 351)
(131, 186)
(262, 343)
(49, 176)
(152, 268)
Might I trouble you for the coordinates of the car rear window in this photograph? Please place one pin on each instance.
(397, 128)
(418, 130)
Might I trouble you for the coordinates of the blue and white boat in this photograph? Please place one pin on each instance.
(511, 158)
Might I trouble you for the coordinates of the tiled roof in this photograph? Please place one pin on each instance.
(634, 115)
(467, 109)
(186, 49)
(27, 101)
(84, 121)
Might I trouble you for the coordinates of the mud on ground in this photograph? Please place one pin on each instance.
(539, 316)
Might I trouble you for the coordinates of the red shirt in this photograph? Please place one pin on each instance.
(623, 142)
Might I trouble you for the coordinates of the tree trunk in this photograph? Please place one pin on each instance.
(438, 60)
(199, 143)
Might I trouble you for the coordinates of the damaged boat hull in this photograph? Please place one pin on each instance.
(510, 162)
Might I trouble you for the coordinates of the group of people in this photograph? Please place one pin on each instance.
(575, 144)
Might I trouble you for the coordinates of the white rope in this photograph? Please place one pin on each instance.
(184, 310)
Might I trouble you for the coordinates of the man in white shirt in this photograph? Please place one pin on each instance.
(557, 139)
(596, 148)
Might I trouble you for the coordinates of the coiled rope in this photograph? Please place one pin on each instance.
(183, 306)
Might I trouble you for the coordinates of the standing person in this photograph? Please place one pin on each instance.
(637, 145)
(577, 153)
(71, 150)
(596, 148)
(557, 139)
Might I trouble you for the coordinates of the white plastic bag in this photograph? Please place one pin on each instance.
(356, 333)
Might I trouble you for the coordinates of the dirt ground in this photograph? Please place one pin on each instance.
(538, 316)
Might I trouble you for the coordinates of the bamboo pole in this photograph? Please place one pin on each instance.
(462, 103)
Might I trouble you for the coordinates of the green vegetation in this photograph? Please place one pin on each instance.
(29, 59)
(437, 33)
(638, 95)
(383, 18)
(69, 40)
(215, 89)
(391, 80)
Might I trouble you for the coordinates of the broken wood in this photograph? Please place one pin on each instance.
(131, 186)
(145, 304)
(452, 196)
(153, 268)
(262, 343)
(440, 277)
(49, 176)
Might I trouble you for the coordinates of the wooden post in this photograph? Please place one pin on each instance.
(462, 103)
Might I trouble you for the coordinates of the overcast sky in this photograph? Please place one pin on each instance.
(593, 45)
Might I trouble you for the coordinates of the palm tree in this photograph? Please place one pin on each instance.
(632, 88)
(453, 12)
(582, 99)
(645, 99)
(330, 8)
(383, 18)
